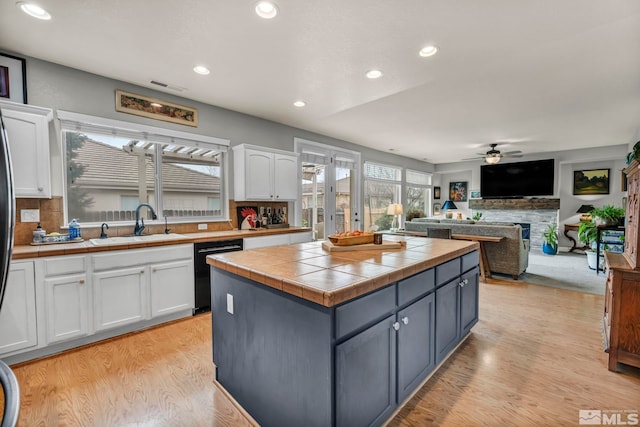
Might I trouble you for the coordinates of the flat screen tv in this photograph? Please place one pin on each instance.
(519, 179)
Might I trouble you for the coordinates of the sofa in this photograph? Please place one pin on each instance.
(509, 256)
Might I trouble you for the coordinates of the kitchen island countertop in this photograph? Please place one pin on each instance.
(308, 271)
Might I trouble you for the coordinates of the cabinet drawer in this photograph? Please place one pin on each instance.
(133, 257)
(65, 265)
(362, 311)
(470, 260)
(447, 271)
(416, 286)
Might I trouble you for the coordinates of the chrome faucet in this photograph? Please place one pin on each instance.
(137, 230)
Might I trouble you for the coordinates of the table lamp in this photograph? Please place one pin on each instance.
(585, 210)
(395, 209)
(449, 206)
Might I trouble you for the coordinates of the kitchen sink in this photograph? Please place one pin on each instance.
(124, 240)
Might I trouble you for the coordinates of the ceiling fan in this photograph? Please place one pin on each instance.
(493, 156)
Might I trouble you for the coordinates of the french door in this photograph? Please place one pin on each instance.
(331, 188)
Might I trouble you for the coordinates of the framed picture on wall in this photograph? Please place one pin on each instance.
(436, 193)
(436, 209)
(13, 78)
(458, 191)
(590, 181)
(474, 194)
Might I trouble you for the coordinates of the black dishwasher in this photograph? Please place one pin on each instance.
(202, 269)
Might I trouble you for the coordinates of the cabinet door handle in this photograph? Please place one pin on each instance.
(405, 320)
(396, 326)
(461, 284)
(82, 281)
(40, 188)
(142, 271)
(278, 196)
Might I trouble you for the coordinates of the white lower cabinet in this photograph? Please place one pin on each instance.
(67, 307)
(172, 287)
(276, 240)
(119, 297)
(66, 297)
(18, 329)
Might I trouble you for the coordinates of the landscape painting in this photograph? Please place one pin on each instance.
(592, 181)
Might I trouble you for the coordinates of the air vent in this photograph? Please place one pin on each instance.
(176, 88)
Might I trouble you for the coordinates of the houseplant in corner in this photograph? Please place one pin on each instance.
(550, 243)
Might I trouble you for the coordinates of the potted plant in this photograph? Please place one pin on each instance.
(550, 243)
(607, 215)
(587, 234)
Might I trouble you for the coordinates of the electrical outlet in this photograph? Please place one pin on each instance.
(229, 303)
(202, 226)
(29, 215)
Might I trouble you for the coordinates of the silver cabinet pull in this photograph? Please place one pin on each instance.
(405, 320)
(396, 326)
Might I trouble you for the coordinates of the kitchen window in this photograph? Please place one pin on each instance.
(382, 187)
(111, 167)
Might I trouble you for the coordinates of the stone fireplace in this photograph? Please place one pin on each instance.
(539, 213)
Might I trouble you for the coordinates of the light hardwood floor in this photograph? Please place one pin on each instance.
(535, 358)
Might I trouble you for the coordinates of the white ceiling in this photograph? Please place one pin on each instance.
(541, 75)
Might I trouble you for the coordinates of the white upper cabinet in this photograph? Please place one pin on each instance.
(28, 132)
(264, 174)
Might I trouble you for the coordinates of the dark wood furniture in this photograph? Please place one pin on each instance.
(485, 268)
(621, 320)
(574, 244)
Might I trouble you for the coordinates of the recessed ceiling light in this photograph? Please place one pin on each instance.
(299, 104)
(374, 74)
(266, 9)
(201, 69)
(428, 51)
(34, 10)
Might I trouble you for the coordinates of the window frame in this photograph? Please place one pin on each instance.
(80, 123)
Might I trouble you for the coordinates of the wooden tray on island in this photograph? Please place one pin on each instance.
(351, 240)
(329, 246)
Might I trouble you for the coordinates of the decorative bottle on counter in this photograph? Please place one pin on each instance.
(38, 234)
(74, 230)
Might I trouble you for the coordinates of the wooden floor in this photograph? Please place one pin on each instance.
(535, 358)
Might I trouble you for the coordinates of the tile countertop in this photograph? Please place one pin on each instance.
(330, 278)
(30, 251)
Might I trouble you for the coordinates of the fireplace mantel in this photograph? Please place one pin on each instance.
(514, 204)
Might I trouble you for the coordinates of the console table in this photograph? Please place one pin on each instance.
(485, 268)
(567, 229)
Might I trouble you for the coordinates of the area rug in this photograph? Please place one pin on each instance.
(566, 270)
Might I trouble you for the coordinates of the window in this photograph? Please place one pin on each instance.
(418, 194)
(111, 169)
(382, 187)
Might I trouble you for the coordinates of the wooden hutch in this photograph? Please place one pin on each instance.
(621, 321)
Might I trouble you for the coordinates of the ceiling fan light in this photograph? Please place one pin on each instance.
(492, 160)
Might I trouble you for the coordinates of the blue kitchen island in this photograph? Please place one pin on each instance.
(303, 336)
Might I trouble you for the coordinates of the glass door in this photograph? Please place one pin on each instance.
(330, 199)
(313, 192)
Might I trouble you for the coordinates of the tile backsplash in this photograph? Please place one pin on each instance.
(52, 217)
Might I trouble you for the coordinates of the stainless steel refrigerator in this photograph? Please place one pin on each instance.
(7, 225)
